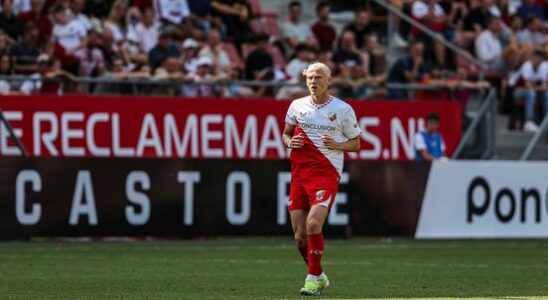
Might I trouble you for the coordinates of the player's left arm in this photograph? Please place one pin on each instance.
(351, 145)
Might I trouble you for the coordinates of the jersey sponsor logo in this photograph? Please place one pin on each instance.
(317, 127)
(320, 195)
(332, 116)
(317, 252)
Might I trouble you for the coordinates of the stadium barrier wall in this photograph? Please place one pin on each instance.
(148, 127)
(60, 197)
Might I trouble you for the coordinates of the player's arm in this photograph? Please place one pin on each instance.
(292, 141)
(426, 156)
(351, 145)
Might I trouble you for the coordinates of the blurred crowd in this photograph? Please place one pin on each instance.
(193, 41)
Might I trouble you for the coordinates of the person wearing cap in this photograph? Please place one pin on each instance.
(188, 57)
(163, 49)
(203, 72)
(215, 52)
(428, 143)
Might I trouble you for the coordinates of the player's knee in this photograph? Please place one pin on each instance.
(313, 226)
(300, 239)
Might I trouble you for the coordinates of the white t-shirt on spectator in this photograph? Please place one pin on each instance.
(299, 31)
(528, 73)
(421, 9)
(295, 67)
(488, 46)
(148, 36)
(69, 35)
(219, 57)
(84, 21)
(172, 10)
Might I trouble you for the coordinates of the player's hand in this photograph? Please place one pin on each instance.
(329, 142)
(296, 141)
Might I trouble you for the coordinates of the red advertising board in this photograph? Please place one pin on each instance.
(109, 126)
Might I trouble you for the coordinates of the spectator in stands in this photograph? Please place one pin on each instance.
(117, 21)
(204, 72)
(360, 26)
(9, 23)
(92, 61)
(373, 56)
(171, 11)
(26, 51)
(259, 64)
(235, 15)
(40, 19)
(304, 55)
(189, 56)
(323, 31)
(408, 69)
(530, 82)
(98, 8)
(69, 39)
(476, 20)
(347, 56)
(431, 14)
(489, 48)
(533, 33)
(163, 49)
(215, 52)
(294, 30)
(170, 68)
(147, 31)
(77, 8)
(529, 8)
(21, 6)
(6, 69)
(48, 68)
(428, 143)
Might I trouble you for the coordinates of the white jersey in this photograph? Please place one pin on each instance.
(335, 118)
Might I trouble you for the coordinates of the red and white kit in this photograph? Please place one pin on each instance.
(316, 170)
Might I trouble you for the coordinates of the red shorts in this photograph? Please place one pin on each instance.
(304, 196)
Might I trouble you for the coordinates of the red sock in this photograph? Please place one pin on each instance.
(304, 252)
(315, 251)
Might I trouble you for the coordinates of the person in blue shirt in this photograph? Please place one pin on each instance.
(428, 143)
(528, 8)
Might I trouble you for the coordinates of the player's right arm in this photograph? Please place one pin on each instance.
(290, 140)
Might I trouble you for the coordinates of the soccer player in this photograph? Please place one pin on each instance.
(319, 129)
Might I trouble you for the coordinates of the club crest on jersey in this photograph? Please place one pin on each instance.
(320, 195)
(332, 116)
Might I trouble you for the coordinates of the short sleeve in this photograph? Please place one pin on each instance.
(420, 144)
(291, 116)
(350, 126)
(527, 72)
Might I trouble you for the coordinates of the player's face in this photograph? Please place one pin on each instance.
(317, 82)
(432, 126)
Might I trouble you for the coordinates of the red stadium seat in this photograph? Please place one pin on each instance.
(233, 55)
(271, 26)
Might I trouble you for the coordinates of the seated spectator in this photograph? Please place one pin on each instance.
(40, 19)
(295, 31)
(529, 8)
(21, 6)
(147, 31)
(92, 61)
(6, 69)
(373, 56)
(533, 33)
(347, 56)
(69, 39)
(293, 91)
(204, 72)
(9, 23)
(530, 82)
(170, 68)
(431, 14)
(489, 48)
(360, 26)
(56, 80)
(189, 56)
(259, 64)
(304, 55)
(163, 49)
(235, 16)
(323, 31)
(26, 51)
(408, 69)
(476, 20)
(77, 8)
(214, 51)
(428, 143)
(171, 11)
(117, 22)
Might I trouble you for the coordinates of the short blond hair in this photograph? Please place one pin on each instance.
(317, 65)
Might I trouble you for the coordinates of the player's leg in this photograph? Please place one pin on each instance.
(298, 210)
(298, 222)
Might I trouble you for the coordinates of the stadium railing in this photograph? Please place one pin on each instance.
(543, 128)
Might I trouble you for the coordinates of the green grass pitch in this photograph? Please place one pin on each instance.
(272, 269)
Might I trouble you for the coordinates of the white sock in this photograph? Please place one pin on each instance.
(312, 278)
(321, 276)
